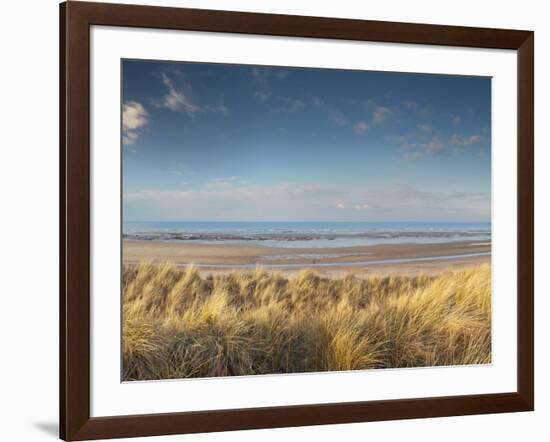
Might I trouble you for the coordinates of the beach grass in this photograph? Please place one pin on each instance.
(180, 324)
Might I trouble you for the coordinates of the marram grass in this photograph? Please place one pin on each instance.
(177, 324)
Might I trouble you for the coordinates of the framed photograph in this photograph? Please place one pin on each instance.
(272, 221)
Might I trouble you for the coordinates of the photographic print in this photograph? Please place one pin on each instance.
(282, 220)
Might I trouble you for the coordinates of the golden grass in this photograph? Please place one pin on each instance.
(177, 324)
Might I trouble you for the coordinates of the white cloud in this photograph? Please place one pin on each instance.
(381, 114)
(220, 107)
(426, 141)
(335, 115)
(433, 147)
(462, 142)
(134, 116)
(361, 127)
(129, 137)
(456, 120)
(414, 156)
(181, 169)
(410, 105)
(262, 95)
(262, 74)
(261, 77)
(175, 99)
(291, 105)
(178, 101)
(224, 182)
(418, 150)
(415, 108)
(232, 198)
(424, 127)
(352, 206)
(317, 102)
(229, 199)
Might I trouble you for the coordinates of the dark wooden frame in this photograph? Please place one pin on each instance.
(75, 21)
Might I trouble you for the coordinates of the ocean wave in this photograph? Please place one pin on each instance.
(297, 236)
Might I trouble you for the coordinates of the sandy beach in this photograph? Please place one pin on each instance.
(378, 259)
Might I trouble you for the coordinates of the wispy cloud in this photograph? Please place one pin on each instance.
(462, 142)
(415, 108)
(226, 182)
(263, 74)
(261, 77)
(426, 140)
(428, 203)
(381, 114)
(234, 198)
(134, 116)
(361, 127)
(181, 169)
(424, 127)
(177, 100)
(291, 105)
(414, 156)
(432, 147)
(218, 107)
(228, 198)
(335, 115)
(351, 206)
(262, 95)
(416, 150)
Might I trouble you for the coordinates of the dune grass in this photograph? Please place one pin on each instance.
(177, 324)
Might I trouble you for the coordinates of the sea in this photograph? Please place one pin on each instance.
(318, 234)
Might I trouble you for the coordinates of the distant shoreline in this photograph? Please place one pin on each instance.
(307, 234)
(292, 236)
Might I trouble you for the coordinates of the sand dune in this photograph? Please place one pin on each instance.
(178, 323)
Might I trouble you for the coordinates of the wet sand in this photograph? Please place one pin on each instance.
(360, 260)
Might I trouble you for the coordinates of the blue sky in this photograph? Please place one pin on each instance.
(217, 142)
